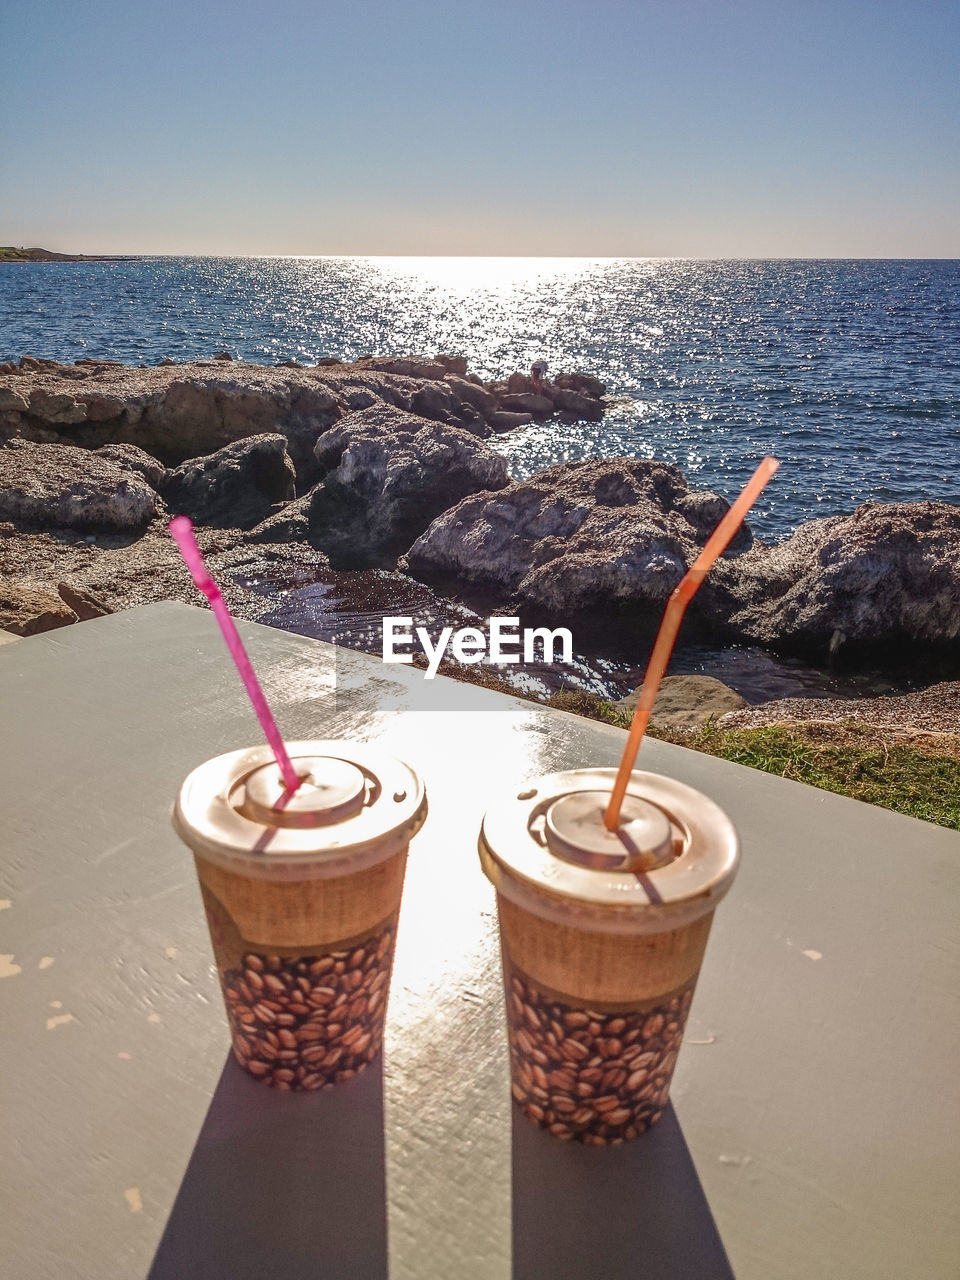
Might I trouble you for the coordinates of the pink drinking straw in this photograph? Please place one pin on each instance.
(181, 530)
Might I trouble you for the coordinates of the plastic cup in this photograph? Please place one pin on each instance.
(603, 936)
(302, 894)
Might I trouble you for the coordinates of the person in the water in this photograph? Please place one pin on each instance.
(537, 373)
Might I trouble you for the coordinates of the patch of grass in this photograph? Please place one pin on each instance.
(582, 703)
(910, 772)
(914, 774)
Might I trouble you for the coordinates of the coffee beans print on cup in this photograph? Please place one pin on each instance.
(309, 1022)
(598, 1078)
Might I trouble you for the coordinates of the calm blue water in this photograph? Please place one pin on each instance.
(848, 371)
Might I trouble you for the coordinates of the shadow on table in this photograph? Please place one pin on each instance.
(616, 1212)
(282, 1184)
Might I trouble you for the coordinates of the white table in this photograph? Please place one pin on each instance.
(816, 1128)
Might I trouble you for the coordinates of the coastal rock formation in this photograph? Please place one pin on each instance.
(578, 536)
(59, 486)
(576, 396)
(889, 574)
(236, 487)
(527, 402)
(173, 412)
(180, 411)
(600, 535)
(386, 475)
(685, 702)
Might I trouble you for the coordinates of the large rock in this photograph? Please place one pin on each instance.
(577, 536)
(387, 474)
(199, 415)
(59, 486)
(503, 420)
(527, 402)
(473, 393)
(131, 458)
(573, 395)
(11, 401)
(236, 487)
(436, 400)
(83, 603)
(584, 383)
(888, 574)
(453, 364)
(103, 408)
(27, 608)
(406, 366)
(684, 702)
(56, 409)
(576, 405)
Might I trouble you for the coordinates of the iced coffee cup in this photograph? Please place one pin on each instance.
(302, 893)
(603, 935)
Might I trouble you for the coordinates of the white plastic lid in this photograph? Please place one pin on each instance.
(672, 859)
(355, 805)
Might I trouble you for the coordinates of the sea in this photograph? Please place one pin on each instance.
(847, 371)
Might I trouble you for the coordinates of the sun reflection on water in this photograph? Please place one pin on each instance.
(463, 275)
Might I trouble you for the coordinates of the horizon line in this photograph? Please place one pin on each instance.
(525, 257)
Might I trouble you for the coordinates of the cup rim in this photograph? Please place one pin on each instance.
(206, 815)
(663, 898)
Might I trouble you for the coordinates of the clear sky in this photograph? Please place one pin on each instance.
(718, 128)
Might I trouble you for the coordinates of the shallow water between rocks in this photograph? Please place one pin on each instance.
(347, 608)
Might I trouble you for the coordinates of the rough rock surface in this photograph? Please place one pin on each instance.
(59, 486)
(473, 393)
(684, 702)
(134, 459)
(120, 572)
(527, 402)
(504, 420)
(576, 536)
(84, 604)
(179, 411)
(386, 475)
(236, 487)
(935, 709)
(27, 608)
(887, 574)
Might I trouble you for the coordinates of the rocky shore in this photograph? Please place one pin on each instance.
(284, 470)
(387, 462)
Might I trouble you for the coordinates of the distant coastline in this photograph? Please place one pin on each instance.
(9, 254)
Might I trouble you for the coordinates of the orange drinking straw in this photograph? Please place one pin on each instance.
(680, 597)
